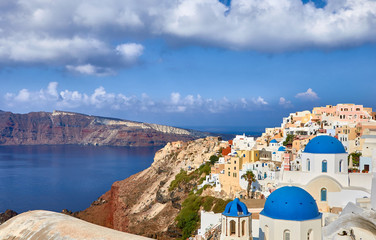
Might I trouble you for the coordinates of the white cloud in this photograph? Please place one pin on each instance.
(88, 56)
(89, 69)
(285, 103)
(51, 98)
(308, 95)
(175, 98)
(52, 89)
(259, 101)
(130, 51)
(79, 32)
(22, 96)
(33, 48)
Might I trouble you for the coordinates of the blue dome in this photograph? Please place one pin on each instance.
(291, 203)
(236, 209)
(273, 141)
(281, 149)
(324, 144)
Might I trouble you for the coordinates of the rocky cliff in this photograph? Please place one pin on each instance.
(8, 214)
(143, 204)
(72, 128)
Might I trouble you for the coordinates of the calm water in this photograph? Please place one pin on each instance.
(59, 177)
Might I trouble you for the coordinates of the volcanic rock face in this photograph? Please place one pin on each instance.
(142, 203)
(72, 128)
(8, 214)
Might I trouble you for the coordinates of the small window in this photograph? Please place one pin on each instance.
(229, 173)
(308, 165)
(324, 166)
(323, 194)
(310, 234)
(286, 235)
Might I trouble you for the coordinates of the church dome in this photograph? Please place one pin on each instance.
(281, 149)
(325, 145)
(291, 203)
(236, 209)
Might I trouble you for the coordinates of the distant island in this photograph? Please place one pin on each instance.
(59, 127)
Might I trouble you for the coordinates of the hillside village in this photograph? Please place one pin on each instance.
(312, 178)
(329, 152)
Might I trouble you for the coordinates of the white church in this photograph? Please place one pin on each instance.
(290, 213)
(322, 170)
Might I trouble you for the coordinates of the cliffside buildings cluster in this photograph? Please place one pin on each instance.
(321, 164)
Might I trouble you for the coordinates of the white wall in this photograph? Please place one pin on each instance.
(342, 198)
(242, 142)
(363, 180)
(298, 229)
(208, 220)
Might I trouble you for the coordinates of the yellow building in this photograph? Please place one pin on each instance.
(230, 179)
(346, 129)
(248, 156)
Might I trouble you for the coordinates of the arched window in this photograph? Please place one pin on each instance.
(232, 227)
(243, 227)
(266, 233)
(323, 194)
(310, 234)
(324, 166)
(286, 235)
(308, 165)
(340, 166)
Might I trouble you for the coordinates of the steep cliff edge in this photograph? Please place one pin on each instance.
(142, 204)
(59, 127)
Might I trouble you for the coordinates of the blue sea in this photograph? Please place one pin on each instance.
(64, 176)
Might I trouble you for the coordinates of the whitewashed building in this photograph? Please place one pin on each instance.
(243, 142)
(290, 213)
(323, 172)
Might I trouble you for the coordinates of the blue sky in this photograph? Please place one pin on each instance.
(187, 63)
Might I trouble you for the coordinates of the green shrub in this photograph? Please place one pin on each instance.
(188, 218)
(213, 159)
(202, 180)
(208, 203)
(205, 168)
(220, 205)
(181, 177)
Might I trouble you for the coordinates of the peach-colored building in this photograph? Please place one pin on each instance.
(360, 127)
(345, 112)
(301, 142)
(353, 113)
(329, 110)
(217, 168)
